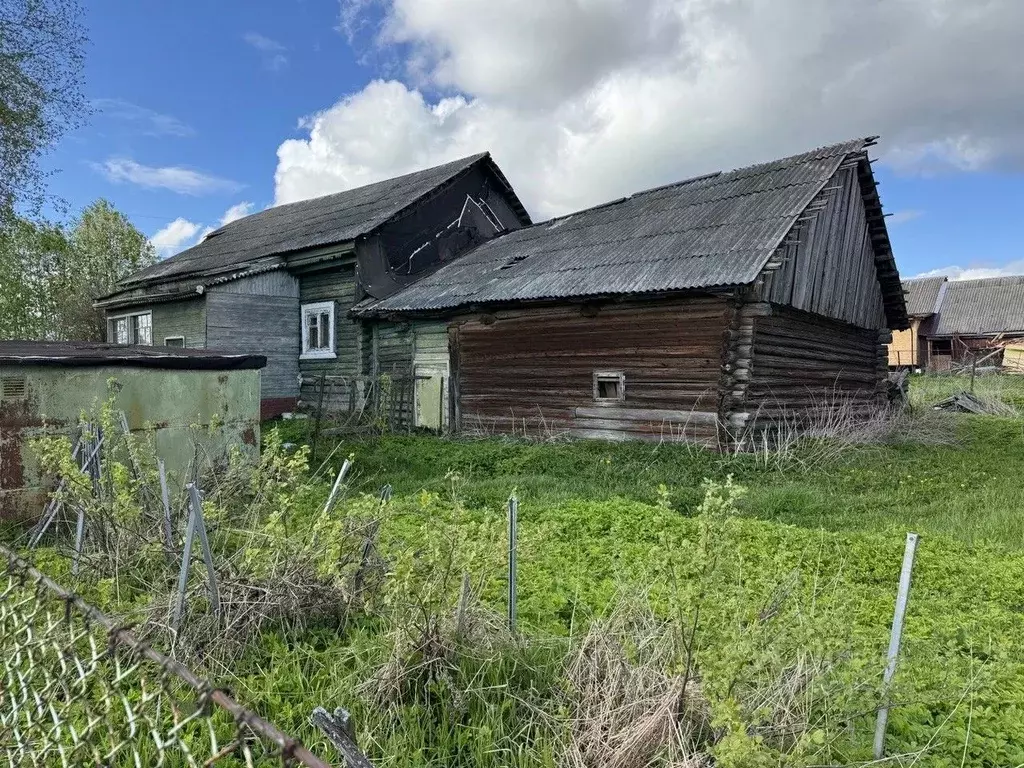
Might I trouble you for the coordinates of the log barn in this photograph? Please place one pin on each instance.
(697, 310)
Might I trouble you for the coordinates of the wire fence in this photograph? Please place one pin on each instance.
(78, 689)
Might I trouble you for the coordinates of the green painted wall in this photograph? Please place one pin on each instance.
(167, 401)
(180, 318)
(337, 284)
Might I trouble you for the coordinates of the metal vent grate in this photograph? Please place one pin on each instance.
(12, 387)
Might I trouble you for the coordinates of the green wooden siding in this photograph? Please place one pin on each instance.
(393, 348)
(432, 375)
(180, 318)
(337, 284)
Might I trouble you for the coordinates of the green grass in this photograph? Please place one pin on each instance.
(597, 516)
(969, 489)
(930, 388)
(803, 571)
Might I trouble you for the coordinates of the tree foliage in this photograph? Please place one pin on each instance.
(51, 275)
(41, 56)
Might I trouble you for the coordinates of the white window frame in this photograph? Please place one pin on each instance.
(317, 354)
(174, 338)
(112, 320)
(619, 377)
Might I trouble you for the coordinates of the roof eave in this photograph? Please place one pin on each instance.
(373, 313)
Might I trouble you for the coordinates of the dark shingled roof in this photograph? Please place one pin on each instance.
(981, 307)
(714, 230)
(924, 295)
(84, 354)
(337, 218)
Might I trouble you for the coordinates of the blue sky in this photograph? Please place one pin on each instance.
(205, 106)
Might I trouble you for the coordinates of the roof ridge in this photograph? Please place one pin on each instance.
(1010, 280)
(865, 142)
(460, 162)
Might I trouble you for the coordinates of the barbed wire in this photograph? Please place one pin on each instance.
(77, 688)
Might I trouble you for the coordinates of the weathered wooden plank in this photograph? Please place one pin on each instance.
(655, 415)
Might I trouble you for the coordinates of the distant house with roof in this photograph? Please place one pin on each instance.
(280, 282)
(696, 310)
(969, 320)
(909, 348)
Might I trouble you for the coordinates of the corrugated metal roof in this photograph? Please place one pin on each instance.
(336, 218)
(713, 230)
(923, 294)
(86, 354)
(981, 307)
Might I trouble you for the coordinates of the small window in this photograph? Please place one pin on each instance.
(318, 330)
(175, 341)
(609, 386)
(131, 329)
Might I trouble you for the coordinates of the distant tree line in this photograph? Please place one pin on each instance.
(50, 273)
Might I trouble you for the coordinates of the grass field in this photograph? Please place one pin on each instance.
(676, 606)
(963, 481)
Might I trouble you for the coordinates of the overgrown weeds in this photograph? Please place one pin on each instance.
(674, 632)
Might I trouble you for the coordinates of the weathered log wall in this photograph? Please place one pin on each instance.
(801, 363)
(532, 371)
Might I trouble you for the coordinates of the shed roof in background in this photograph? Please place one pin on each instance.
(91, 354)
(321, 221)
(924, 294)
(981, 307)
(710, 231)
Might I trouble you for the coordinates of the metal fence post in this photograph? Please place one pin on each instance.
(197, 510)
(165, 498)
(902, 595)
(513, 514)
(332, 499)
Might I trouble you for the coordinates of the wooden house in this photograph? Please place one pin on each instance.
(280, 282)
(909, 348)
(975, 319)
(696, 310)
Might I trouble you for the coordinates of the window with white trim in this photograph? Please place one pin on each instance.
(318, 330)
(609, 386)
(136, 328)
(174, 341)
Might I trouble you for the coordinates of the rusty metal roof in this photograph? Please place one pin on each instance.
(709, 231)
(85, 354)
(981, 307)
(924, 295)
(261, 238)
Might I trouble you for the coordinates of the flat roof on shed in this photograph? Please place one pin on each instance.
(93, 354)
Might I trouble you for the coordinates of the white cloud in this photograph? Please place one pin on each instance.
(977, 272)
(150, 122)
(236, 212)
(273, 52)
(902, 217)
(176, 236)
(184, 181)
(581, 102)
(182, 233)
